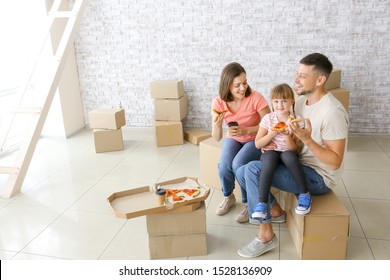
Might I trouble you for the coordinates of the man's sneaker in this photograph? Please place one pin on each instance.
(276, 220)
(243, 216)
(228, 201)
(260, 211)
(256, 247)
(304, 204)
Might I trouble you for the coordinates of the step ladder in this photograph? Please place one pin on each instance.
(38, 92)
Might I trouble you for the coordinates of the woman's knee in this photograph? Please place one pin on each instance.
(224, 166)
(236, 165)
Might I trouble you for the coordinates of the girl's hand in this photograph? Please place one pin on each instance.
(269, 147)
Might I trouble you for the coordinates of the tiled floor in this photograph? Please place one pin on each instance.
(62, 212)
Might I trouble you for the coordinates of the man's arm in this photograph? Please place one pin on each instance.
(331, 155)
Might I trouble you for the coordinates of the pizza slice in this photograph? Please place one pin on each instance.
(171, 192)
(280, 127)
(217, 112)
(176, 198)
(191, 192)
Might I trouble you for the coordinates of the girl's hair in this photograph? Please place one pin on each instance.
(283, 91)
(231, 71)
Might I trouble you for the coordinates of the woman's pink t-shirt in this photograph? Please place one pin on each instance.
(248, 114)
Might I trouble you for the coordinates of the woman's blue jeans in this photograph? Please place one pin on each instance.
(234, 154)
(248, 177)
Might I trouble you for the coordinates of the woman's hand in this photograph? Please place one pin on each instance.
(217, 119)
(216, 125)
(236, 131)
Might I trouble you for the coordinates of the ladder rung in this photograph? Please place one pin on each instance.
(62, 14)
(9, 170)
(27, 110)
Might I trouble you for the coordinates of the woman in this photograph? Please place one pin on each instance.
(241, 108)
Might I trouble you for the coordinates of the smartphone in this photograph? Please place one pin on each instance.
(232, 124)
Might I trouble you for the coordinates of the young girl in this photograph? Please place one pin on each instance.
(284, 150)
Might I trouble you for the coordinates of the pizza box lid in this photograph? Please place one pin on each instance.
(142, 201)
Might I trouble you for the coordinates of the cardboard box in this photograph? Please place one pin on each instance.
(141, 201)
(107, 118)
(173, 235)
(323, 233)
(342, 94)
(168, 133)
(108, 140)
(195, 136)
(176, 246)
(171, 109)
(167, 89)
(334, 80)
(177, 223)
(209, 154)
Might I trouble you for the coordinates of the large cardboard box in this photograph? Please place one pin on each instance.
(108, 140)
(195, 136)
(173, 235)
(107, 118)
(177, 223)
(167, 89)
(323, 233)
(174, 230)
(169, 109)
(168, 133)
(209, 154)
(342, 94)
(176, 246)
(334, 80)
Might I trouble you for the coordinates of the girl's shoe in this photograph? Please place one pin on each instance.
(304, 204)
(260, 211)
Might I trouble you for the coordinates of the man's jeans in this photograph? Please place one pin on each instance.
(248, 177)
(234, 154)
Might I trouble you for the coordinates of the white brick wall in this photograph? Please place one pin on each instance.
(123, 45)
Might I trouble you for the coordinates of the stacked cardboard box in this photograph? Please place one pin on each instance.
(171, 107)
(107, 129)
(333, 84)
(174, 230)
(177, 234)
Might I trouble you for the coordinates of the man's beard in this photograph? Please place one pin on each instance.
(306, 91)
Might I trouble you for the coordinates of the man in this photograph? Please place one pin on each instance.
(324, 138)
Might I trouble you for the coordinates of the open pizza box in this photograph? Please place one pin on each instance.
(142, 201)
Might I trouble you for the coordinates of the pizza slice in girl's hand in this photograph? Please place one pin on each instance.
(280, 127)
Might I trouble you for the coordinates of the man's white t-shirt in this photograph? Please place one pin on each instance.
(329, 121)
